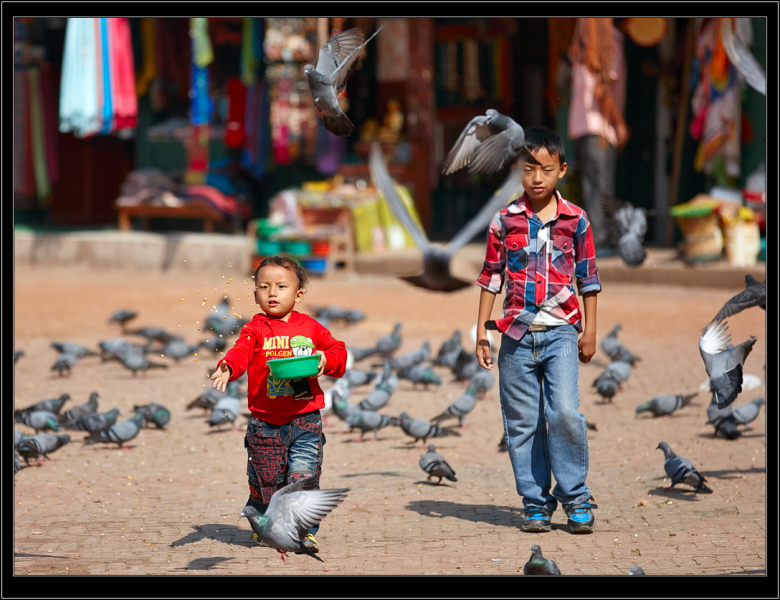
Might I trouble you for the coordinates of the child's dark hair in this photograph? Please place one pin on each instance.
(286, 263)
(542, 137)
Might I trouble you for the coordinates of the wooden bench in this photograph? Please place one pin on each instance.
(192, 210)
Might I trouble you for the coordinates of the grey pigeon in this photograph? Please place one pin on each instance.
(93, 421)
(368, 420)
(607, 388)
(136, 361)
(628, 226)
(754, 295)
(17, 355)
(18, 437)
(122, 316)
(449, 351)
(358, 377)
(343, 408)
(214, 344)
(178, 349)
(613, 348)
(210, 396)
(681, 470)
(337, 59)
(723, 362)
(154, 334)
(17, 463)
(462, 406)
(338, 391)
(361, 353)
(83, 409)
(406, 361)
(40, 445)
(747, 413)
(422, 430)
(420, 374)
(488, 144)
(40, 420)
(663, 406)
(618, 372)
(52, 405)
(435, 466)
(435, 275)
(354, 316)
(331, 313)
(636, 571)
(154, 414)
(291, 512)
(482, 381)
(65, 363)
(225, 411)
(119, 433)
(723, 420)
(114, 348)
(377, 399)
(76, 350)
(539, 565)
(388, 344)
(466, 366)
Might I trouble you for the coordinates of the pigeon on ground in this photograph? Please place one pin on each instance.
(663, 406)
(40, 420)
(52, 405)
(354, 316)
(119, 433)
(136, 361)
(65, 363)
(462, 406)
(539, 565)
(17, 463)
(210, 396)
(482, 381)
(435, 466)
(336, 61)
(420, 373)
(747, 413)
(368, 420)
(76, 350)
(608, 383)
(338, 391)
(723, 420)
(214, 344)
(122, 316)
(178, 349)
(466, 366)
(422, 430)
(113, 349)
(406, 361)
(613, 348)
(17, 355)
(358, 377)
(40, 445)
(18, 437)
(331, 313)
(225, 411)
(723, 362)
(93, 421)
(82, 409)
(388, 344)
(488, 144)
(449, 351)
(681, 470)
(291, 512)
(361, 353)
(154, 414)
(342, 408)
(591, 426)
(754, 295)
(636, 571)
(436, 274)
(154, 334)
(378, 398)
(628, 226)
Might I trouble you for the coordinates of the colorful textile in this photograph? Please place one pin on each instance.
(42, 184)
(249, 59)
(107, 113)
(148, 70)
(202, 53)
(516, 254)
(124, 100)
(234, 130)
(78, 89)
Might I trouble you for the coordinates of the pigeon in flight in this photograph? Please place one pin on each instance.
(436, 274)
(487, 144)
(119, 433)
(628, 226)
(79, 411)
(435, 465)
(336, 61)
(747, 413)
(723, 361)
(681, 470)
(154, 414)
(754, 295)
(539, 565)
(663, 406)
(291, 512)
(93, 421)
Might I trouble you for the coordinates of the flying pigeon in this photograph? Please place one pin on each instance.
(488, 144)
(17, 355)
(83, 409)
(422, 430)
(613, 348)
(65, 363)
(628, 226)
(435, 466)
(754, 295)
(136, 361)
(420, 374)
(122, 316)
(436, 275)
(663, 406)
(154, 414)
(539, 565)
(723, 362)
(225, 411)
(119, 433)
(723, 420)
(388, 344)
(337, 59)
(368, 420)
(93, 421)
(361, 353)
(40, 420)
(449, 351)
(40, 445)
(681, 470)
(406, 361)
(178, 349)
(462, 406)
(291, 512)
(214, 344)
(76, 350)
(636, 571)
(52, 405)
(747, 413)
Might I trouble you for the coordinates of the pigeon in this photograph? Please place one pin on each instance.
(37, 446)
(331, 313)
(215, 344)
(155, 414)
(406, 361)
(83, 409)
(482, 381)
(119, 433)
(225, 411)
(591, 426)
(628, 226)
(122, 316)
(226, 325)
(449, 351)
(614, 349)
(636, 571)
(18, 437)
(747, 413)
(368, 420)
(663, 406)
(154, 334)
(357, 377)
(754, 295)
(539, 565)
(377, 399)
(136, 361)
(723, 362)
(462, 406)
(337, 59)
(420, 374)
(436, 275)
(435, 466)
(65, 363)
(330, 395)
(681, 470)
(354, 316)
(17, 463)
(52, 405)
(17, 355)
(178, 349)
(723, 420)
(361, 353)
(609, 381)
(487, 144)
(291, 512)
(422, 430)
(211, 396)
(342, 408)
(388, 344)
(466, 366)
(40, 420)
(113, 349)
(76, 350)
(607, 388)
(93, 421)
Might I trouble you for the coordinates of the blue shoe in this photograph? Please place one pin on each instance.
(536, 519)
(580, 516)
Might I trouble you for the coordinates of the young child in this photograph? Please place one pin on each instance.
(284, 437)
(540, 244)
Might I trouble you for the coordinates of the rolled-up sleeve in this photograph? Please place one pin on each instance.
(585, 270)
(492, 276)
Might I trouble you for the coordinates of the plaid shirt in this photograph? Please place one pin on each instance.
(535, 273)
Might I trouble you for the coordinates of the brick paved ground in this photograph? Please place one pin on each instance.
(170, 505)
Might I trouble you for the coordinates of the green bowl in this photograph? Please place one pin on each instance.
(296, 247)
(295, 367)
(265, 229)
(268, 248)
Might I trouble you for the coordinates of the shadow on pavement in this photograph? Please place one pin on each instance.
(207, 563)
(25, 555)
(383, 473)
(732, 473)
(677, 494)
(227, 534)
(507, 516)
(750, 572)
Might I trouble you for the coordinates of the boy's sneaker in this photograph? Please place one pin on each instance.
(580, 516)
(310, 543)
(536, 519)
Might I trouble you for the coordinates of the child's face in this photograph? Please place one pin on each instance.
(539, 181)
(276, 290)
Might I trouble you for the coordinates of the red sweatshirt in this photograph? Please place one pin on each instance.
(265, 338)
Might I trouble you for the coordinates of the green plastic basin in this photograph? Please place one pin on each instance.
(294, 367)
(296, 247)
(268, 248)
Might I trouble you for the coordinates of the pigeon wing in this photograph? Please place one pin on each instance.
(468, 141)
(338, 78)
(336, 49)
(713, 340)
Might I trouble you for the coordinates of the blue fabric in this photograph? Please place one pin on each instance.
(78, 87)
(201, 104)
(538, 375)
(108, 111)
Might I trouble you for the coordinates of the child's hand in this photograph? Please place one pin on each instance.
(220, 377)
(587, 347)
(483, 351)
(323, 360)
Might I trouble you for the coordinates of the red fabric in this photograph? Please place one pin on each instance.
(234, 132)
(223, 203)
(249, 353)
(125, 103)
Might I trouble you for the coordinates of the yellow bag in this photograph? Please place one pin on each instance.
(396, 235)
(366, 227)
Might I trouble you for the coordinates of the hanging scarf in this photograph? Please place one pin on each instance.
(201, 106)
(105, 61)
(148, 70)
(124, 100)
(234, 130)
(78, 88)
(249, 60)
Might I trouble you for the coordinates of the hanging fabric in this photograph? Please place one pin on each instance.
(22, 142)
(234, 130)
(78, 89)
(202, 53)
(50, 121)
(123, 95)
(42, 185)
(248, 59)
(148, 70)
(201, 106)
(105, 60)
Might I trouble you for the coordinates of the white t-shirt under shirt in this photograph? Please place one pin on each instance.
(543, 317)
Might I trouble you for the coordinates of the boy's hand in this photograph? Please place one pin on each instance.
(323, 360)
(220, 377)
(587, 347)
(483, 350)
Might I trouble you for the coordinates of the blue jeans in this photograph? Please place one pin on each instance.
(538, 375)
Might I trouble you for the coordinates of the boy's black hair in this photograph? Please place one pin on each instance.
(542, 137)
(286, 263)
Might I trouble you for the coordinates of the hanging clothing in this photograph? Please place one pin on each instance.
(234, 130)
(50, 121)
(42, 184)
(249, 58)
(124, 100)
(148, 70)
(78, 88)
(105, 61)
(201, 106)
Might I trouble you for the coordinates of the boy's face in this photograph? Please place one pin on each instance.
(276, 290)
(539, 181)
